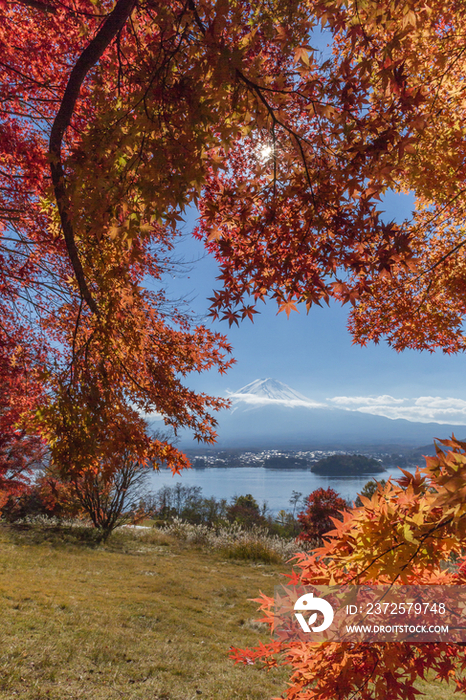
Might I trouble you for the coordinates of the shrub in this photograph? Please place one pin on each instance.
(108, 500)
(245, 511)
(320, 507)
(111, 499)
(47, 497)
(253, 550)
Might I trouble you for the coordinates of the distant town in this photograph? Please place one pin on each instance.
(299, 459)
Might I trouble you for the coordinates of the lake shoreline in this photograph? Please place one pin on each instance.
(273, 486)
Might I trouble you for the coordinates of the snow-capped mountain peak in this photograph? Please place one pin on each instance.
(265, 391)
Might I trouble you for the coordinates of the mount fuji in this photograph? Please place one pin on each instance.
(269, 414)
(270, 391)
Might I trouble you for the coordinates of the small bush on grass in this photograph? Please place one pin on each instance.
(253, 551)
(54, 531)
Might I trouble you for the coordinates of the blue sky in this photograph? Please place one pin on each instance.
(314, 353)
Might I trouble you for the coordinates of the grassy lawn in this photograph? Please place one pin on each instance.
(141, 617)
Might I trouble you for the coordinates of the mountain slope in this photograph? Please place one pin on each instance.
(272, 390)
(269, 414)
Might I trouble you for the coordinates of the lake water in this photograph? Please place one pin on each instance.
(271, 485)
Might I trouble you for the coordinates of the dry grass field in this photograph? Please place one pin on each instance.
(141, 617)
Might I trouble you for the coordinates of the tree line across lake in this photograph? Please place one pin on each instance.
(308, 518)
(329, 465)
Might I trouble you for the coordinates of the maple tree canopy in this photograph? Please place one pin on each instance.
(116, 117)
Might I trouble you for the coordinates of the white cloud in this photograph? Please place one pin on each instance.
(366, 400)
(424, 409)
(255, 400)
(155, 416)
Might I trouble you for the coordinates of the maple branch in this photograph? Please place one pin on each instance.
(360, 688)
(445, 72)
(422, 539)
(436, 216)
(274, 156)
(198, 20)
(75, 333)
(44, 7)
(26, 77)
(87, 60)
(379, 556)
(443, 258)
(275, 121)
(298, 139)
(38, 6)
